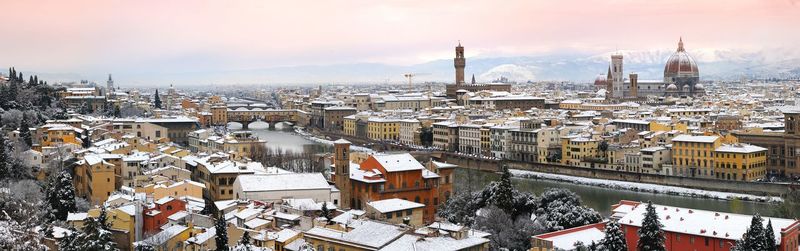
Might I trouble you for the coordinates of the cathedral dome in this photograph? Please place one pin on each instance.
(600, 80)
(681, 64)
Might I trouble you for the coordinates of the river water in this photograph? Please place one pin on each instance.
(601, 199)
(598, 198)
(282, 136)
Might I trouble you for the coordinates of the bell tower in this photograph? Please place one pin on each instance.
(110, 85)
(617, 78)
(459, 62)
(341, 164)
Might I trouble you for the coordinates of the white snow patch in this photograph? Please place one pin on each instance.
(643, 187)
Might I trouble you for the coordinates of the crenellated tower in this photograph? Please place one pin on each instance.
(459, 62)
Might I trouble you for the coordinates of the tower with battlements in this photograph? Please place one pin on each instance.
(459, 62)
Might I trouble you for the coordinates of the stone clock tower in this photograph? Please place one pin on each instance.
(460, 62)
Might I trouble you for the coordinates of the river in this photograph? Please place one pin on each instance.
(598, 198)
(282, 136)
(601, 199)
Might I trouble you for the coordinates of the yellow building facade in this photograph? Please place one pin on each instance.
(95, 179)
(576, 149)
(349, 126)
(693, 156)
(121, 219)
(740, 162)
(383, 129)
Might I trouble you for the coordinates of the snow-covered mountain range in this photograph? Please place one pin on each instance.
(714, 64)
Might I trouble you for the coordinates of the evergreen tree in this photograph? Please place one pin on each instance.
(96, 235)
(157, 100)
(603, 147)
(651, 236)
(87, 141)
(60, 197)
(753, 239)
(67, 243)
(144, 247)
(4, 159)
(614, 239)
(769, 237)
(245, 238)
(13, 91)
(25, 132)
(244, 243)
(222, 234)
(209, 208)
(326, 212)
(503, 197)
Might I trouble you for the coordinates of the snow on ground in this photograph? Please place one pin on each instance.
(311, 137)
(643, 187)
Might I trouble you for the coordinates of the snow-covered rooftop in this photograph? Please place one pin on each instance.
(740, 148)
(701, 222)
(697, 139)
(371, 234)
(398, 162)
(394, 205)
(282, 182)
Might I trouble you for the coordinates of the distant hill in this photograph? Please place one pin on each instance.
(713, 64)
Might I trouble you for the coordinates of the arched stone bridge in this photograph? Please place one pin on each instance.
(247, 115)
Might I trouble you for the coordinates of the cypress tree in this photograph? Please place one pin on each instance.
(244, 243)
(504, 195)
(209, 208)
(87, 141)
(13, 90)
(326, 212)
(614, 239)
(157, 100)
(769, 237)
(222, 234)
(651, 236)
(25, 132)
(60, 197)
(4, 172)
(753, 238)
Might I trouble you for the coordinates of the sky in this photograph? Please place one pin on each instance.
(92, 38)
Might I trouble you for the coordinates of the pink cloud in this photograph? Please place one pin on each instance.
(88, 35)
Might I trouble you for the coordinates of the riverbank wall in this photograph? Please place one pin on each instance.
(754, 188)
(492, 165)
